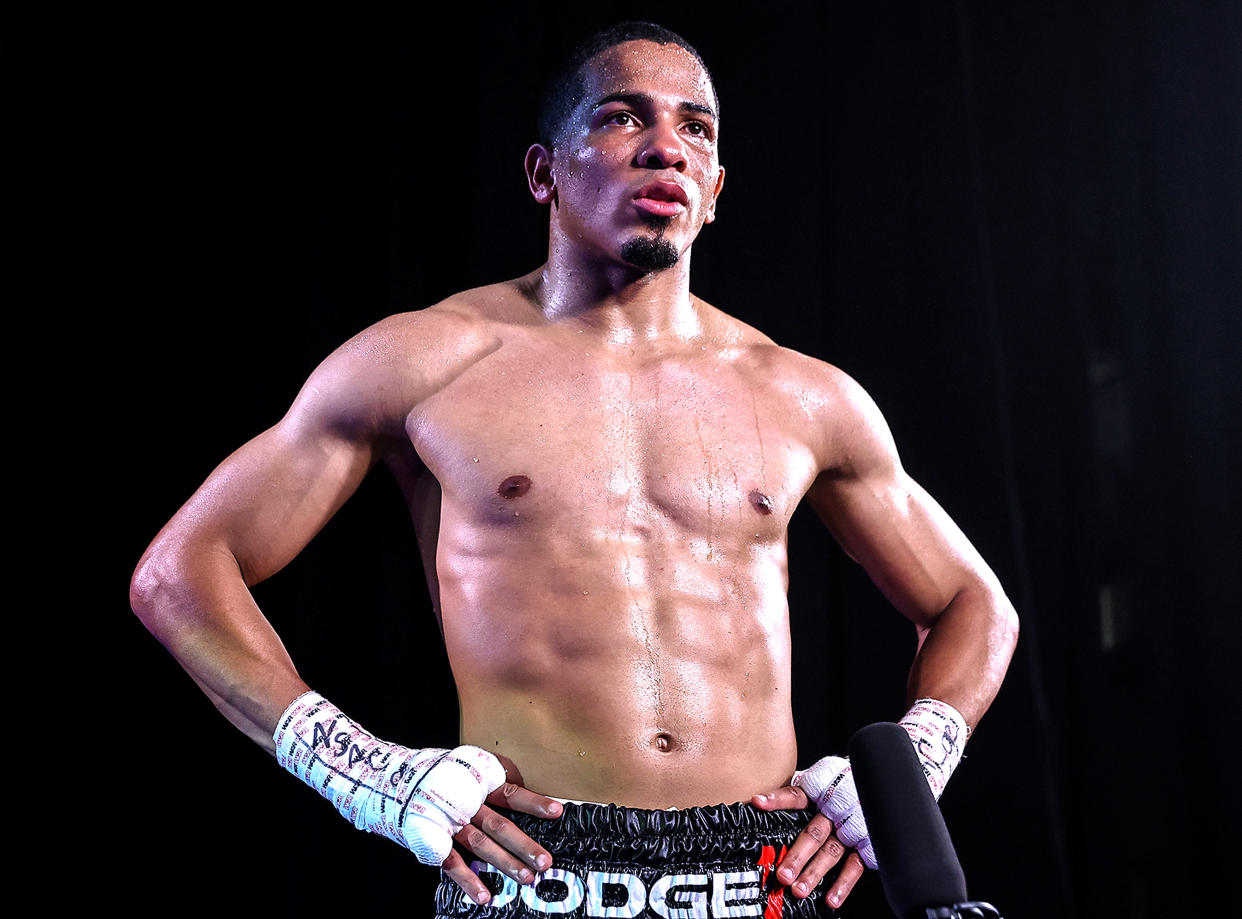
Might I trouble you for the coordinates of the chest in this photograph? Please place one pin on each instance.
(696, 441)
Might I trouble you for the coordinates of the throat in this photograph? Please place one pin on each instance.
(617, 301)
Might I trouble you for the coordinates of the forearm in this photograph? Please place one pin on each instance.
(961, 660)
(963, 655)
(194, 600)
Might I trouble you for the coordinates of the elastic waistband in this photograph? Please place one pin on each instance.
(611, 832)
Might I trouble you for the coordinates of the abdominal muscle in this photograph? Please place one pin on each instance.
(637, 672)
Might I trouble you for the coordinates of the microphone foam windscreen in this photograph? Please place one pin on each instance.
(918, 865)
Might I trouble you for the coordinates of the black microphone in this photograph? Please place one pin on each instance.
(919, 868)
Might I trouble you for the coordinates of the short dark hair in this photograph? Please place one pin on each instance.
(564, 91)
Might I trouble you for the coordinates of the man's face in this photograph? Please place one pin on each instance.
(636, 168)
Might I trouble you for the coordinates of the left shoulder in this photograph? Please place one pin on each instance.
(755, 352)
(836, 416)
(834, 405)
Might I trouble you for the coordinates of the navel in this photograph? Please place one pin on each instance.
(664, 742)
(514, 487)
(760, 502)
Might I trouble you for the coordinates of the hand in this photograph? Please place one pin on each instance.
(497, 840)
(814, 853)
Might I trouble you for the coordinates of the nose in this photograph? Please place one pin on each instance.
(661, 149)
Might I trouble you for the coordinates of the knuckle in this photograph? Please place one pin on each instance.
(834, 848)
(509, 789)
(817, 830)
(810, 878)
(492, 823)
(474, 837)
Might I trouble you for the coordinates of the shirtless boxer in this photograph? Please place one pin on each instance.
(601, 469)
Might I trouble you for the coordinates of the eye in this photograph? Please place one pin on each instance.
(624, 119)
(699, 129)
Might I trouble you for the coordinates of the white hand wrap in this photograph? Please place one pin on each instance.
(830, 786)
(938, 733)
(417, 798)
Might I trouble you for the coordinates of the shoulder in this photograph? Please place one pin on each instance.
(827, 408)
(455, 328)
(423, 346)
(373, 380)
(813, 386)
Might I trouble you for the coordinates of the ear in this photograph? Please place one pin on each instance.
(539, 174)
(711, 208)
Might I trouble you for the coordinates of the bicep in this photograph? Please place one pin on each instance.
(267, 500)
(905, 541)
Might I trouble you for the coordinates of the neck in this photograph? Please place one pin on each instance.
(619, 303)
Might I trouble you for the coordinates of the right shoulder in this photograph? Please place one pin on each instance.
(368, 386)
(420, 342)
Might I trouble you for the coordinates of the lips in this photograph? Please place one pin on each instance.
(666, 199)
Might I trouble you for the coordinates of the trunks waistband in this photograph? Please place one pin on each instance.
(625, 863)
(611, 831)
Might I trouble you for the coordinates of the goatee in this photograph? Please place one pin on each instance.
(648, 254)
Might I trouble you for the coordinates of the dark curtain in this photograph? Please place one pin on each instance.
(1019, 226)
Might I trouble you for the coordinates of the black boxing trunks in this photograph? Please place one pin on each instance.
(616, 862)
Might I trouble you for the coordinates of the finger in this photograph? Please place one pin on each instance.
(512, 773)
(456, 868)
(822, 862)
(851, 871)
(492, 836)
(476, 841)
(816, 835)
(787, 798)
(516, 798)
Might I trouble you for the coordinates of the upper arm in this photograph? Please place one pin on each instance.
(267, 499)
(270, 497)
(908, 545)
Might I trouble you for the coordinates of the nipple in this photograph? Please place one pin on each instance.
(760, 502)
(514, 487)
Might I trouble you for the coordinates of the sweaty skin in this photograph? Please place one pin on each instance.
(601, 469)
(616, 622)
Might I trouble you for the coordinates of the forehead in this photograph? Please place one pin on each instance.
(648, 67)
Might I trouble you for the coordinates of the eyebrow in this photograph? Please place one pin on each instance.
(637, 100)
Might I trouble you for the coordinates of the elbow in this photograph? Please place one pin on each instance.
(147, 585)
(1009, 624)
(1005, 629)
(144, 586)
(994, 622)
(157, 581)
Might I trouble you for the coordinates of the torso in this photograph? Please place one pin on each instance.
(609, 551)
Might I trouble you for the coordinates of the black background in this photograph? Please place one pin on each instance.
(1017, 225)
